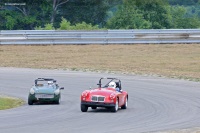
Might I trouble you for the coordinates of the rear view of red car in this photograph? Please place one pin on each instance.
(108, 94)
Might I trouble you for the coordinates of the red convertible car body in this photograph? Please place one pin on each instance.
(105, 96)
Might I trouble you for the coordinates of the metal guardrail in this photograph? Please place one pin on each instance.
(53, 37)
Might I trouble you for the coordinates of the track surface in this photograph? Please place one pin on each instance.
(155, 104)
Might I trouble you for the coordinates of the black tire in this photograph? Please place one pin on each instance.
(116, 107)
(58, 101)
(30, 102)
(125, 105)
(94, 107)
(84, 108)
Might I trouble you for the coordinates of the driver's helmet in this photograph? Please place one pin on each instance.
(50, 82)
(112, 85)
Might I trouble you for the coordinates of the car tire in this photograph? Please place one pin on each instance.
(94, 107)
(30, 102)
(84, 108)
(116, 107)
(58, 101)
(125, 105)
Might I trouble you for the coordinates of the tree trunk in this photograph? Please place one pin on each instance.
(53, 11)
(56, 4)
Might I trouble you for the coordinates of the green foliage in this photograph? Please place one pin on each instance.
(128, 18)
(46, 27)
(84, 26)
(183, 2)
(10, 22)
(24, 16)
(38, 28)
(49, 27)
(89, 11)
(181, 20)
(95, 14)
(65, 25)
(156, 12)
(152, 14)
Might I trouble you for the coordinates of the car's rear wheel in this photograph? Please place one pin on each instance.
(115, 108)
(30, 102)
(84, 108)
(125, 105)
(94, 107)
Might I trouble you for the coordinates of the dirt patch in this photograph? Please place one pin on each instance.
(171, 60)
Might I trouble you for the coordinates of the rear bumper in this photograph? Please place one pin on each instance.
(97, 104)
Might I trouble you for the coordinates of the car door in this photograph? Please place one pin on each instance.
(121, 98)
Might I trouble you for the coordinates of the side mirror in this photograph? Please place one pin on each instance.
(99, 85)
(62, 88)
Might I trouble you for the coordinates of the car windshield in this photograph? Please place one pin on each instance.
(105, 82)
(44, 83)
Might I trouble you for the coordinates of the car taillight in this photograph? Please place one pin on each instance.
(112, 96)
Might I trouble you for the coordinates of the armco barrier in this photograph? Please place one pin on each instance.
(53, 37)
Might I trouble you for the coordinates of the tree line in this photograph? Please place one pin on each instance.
(99, 14)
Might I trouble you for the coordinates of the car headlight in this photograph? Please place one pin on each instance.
(32, 91)
(84, 94)
(112, 96)
(57, 92)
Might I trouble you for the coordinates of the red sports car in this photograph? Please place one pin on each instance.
(109, 95)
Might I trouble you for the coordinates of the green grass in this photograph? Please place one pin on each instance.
(9, 102)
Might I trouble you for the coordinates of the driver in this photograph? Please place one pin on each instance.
(50, 82)
(113, 85)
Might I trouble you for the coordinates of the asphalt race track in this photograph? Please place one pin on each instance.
(155, 104)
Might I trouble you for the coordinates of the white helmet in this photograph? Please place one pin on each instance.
(112, 85)
(50, 82)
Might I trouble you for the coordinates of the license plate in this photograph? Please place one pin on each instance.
(44, 96)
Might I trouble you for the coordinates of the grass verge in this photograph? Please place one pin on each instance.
(9, 102)
(171, 60)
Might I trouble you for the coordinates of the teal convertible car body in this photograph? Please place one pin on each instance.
(45, 90)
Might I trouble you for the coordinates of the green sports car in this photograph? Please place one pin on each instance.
(45, 90)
